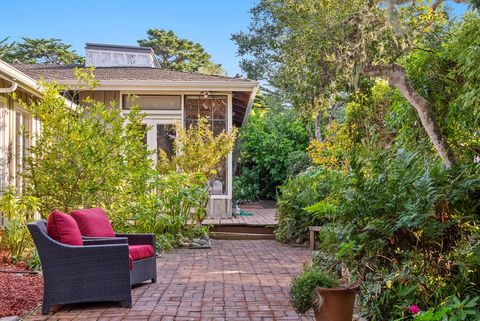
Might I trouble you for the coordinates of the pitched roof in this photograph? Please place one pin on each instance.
(66, 72)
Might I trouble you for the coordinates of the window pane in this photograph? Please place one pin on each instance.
(219, 183)
(191, 108)
(154, 102)
(205, 108)
(219, 127)
(165, 137)
(144, 139)
(219, 109)
(3, 148)
(18, 150)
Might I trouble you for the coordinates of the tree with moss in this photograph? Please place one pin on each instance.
(180, 54)
(321, 50)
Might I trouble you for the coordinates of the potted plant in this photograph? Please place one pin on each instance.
(330, 299)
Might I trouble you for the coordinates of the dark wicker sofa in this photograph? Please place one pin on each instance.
(97, 271)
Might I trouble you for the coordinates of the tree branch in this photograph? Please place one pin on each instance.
(397, 78)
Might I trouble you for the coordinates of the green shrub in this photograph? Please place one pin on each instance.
(407, 227)
(18, 211)
(302, 291)
(246, 187)
(165, 209)
(87, 156)
(454, 309)
(266, 144)
(297, 162)
(299, 192)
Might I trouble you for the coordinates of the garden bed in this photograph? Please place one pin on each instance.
(19, 292)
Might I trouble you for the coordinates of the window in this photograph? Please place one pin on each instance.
(215, 109)
(165, 138)
(144, 139)
(153, 102)
(23, 140)
(3, 145)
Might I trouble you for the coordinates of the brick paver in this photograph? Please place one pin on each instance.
(234, 280)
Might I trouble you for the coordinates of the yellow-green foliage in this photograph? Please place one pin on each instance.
(18, 211)
(198, 150)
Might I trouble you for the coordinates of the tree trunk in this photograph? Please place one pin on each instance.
(397, 78)
(318, 127)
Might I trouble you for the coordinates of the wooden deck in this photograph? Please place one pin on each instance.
(263, 215)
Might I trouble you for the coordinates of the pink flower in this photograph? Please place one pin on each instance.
(414, 309)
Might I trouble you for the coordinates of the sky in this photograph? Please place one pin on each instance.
(123, 22)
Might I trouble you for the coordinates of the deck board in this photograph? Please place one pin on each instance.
(264, 213)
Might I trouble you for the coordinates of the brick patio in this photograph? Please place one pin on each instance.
(235, 280)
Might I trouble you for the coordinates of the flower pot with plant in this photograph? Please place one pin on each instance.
(328, 295)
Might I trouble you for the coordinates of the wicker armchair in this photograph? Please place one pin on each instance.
(143, 269)
(97, 271)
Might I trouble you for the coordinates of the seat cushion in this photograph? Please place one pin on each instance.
(63, 228)
(93, 222)
(138, 252)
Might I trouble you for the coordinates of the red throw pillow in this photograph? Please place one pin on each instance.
(93, 222)
(63, 228)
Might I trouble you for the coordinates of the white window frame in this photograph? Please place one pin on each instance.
(4, 138)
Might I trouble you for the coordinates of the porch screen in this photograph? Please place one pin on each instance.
(215, 109)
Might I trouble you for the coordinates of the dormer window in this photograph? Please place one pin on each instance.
(100, 55)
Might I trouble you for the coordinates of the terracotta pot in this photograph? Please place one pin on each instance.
(336, 304)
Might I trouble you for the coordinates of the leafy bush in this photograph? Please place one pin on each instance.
(453, 310)
(302, 291)
(298, 161)
(165, 210)
(197, 152)
(266, 144)
(299, 192)
(246, 187)
(18, 211)
(85, 156)
(399, 224)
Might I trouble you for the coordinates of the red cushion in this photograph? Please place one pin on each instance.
(63, 228)
(138, 252)
(93, 222)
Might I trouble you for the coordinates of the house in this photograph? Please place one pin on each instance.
(166, 96)
(13, 119)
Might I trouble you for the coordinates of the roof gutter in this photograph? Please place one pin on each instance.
(9, 90)
(28, 84)
(18, 78)
(170, 85)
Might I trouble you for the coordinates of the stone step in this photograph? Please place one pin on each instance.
(243, 229)
(241, 236)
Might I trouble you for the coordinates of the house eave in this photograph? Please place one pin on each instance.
(25, 82)
(145, 85)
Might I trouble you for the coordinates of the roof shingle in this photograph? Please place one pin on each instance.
(66, 72)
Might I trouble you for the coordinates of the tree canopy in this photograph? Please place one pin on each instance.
(321, 50)
(39, 51)
(179, 54)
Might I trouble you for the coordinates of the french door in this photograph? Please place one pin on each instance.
(160, 136)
